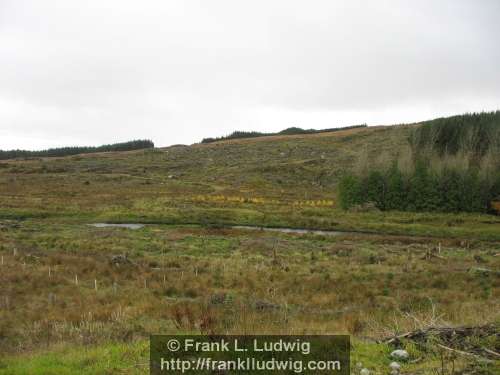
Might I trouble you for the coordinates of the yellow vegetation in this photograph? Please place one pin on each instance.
(263, 200)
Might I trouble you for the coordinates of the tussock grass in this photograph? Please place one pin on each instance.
(202, 280)
(195, 276)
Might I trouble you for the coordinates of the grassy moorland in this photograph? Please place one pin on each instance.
(80, 299)
(287, 181)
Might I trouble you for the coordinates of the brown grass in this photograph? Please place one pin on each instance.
(228, 281)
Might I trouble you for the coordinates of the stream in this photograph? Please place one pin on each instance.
(245, 227)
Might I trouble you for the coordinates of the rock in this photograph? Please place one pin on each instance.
(364, 371)
(400, 354)
(395, 366)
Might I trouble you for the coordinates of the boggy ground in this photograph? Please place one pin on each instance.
(68, 307)
(280, 182)
(72, 293)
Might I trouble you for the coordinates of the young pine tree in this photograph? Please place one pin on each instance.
(350, 191)
(450, 191)
(474, 193)
(396, 189)
(374, 186)
(424, 192)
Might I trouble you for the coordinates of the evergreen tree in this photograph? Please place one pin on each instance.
(350, 191)
(65, 151)
(396, 190)
(374, 187)
(424, 192)
(433, 196)
(474, 193)
(418, 183)
(450, 191)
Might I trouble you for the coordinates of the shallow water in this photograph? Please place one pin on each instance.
(128, 226)
(290, 230)
(246, 227)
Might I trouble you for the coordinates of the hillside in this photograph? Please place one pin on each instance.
(84, 298)
(66, 151)
(285, 167)
(156, 183)
(288, 131)
(271, 181)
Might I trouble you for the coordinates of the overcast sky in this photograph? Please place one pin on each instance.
(92, 72)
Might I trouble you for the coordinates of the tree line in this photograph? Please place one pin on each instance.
(472, 133)
(423, 190)
(66, 151)
(289, 131)
(454, 166)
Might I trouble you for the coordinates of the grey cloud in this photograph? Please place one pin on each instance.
(176, 71)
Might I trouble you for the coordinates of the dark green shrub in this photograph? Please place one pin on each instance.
(350, 191)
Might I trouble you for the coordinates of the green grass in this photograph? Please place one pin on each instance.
(133, 359)
(360, 284)
(100, 360)
(373, 280)
(280, 182)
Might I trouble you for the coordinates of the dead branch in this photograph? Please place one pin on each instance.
(464, 353)
(491, 352)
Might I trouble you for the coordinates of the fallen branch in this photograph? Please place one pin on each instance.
(491, 352)
(488, 329)
(464, 353)
(452, 336)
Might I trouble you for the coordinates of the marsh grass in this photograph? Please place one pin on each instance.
(270, 283)
(194, 275)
